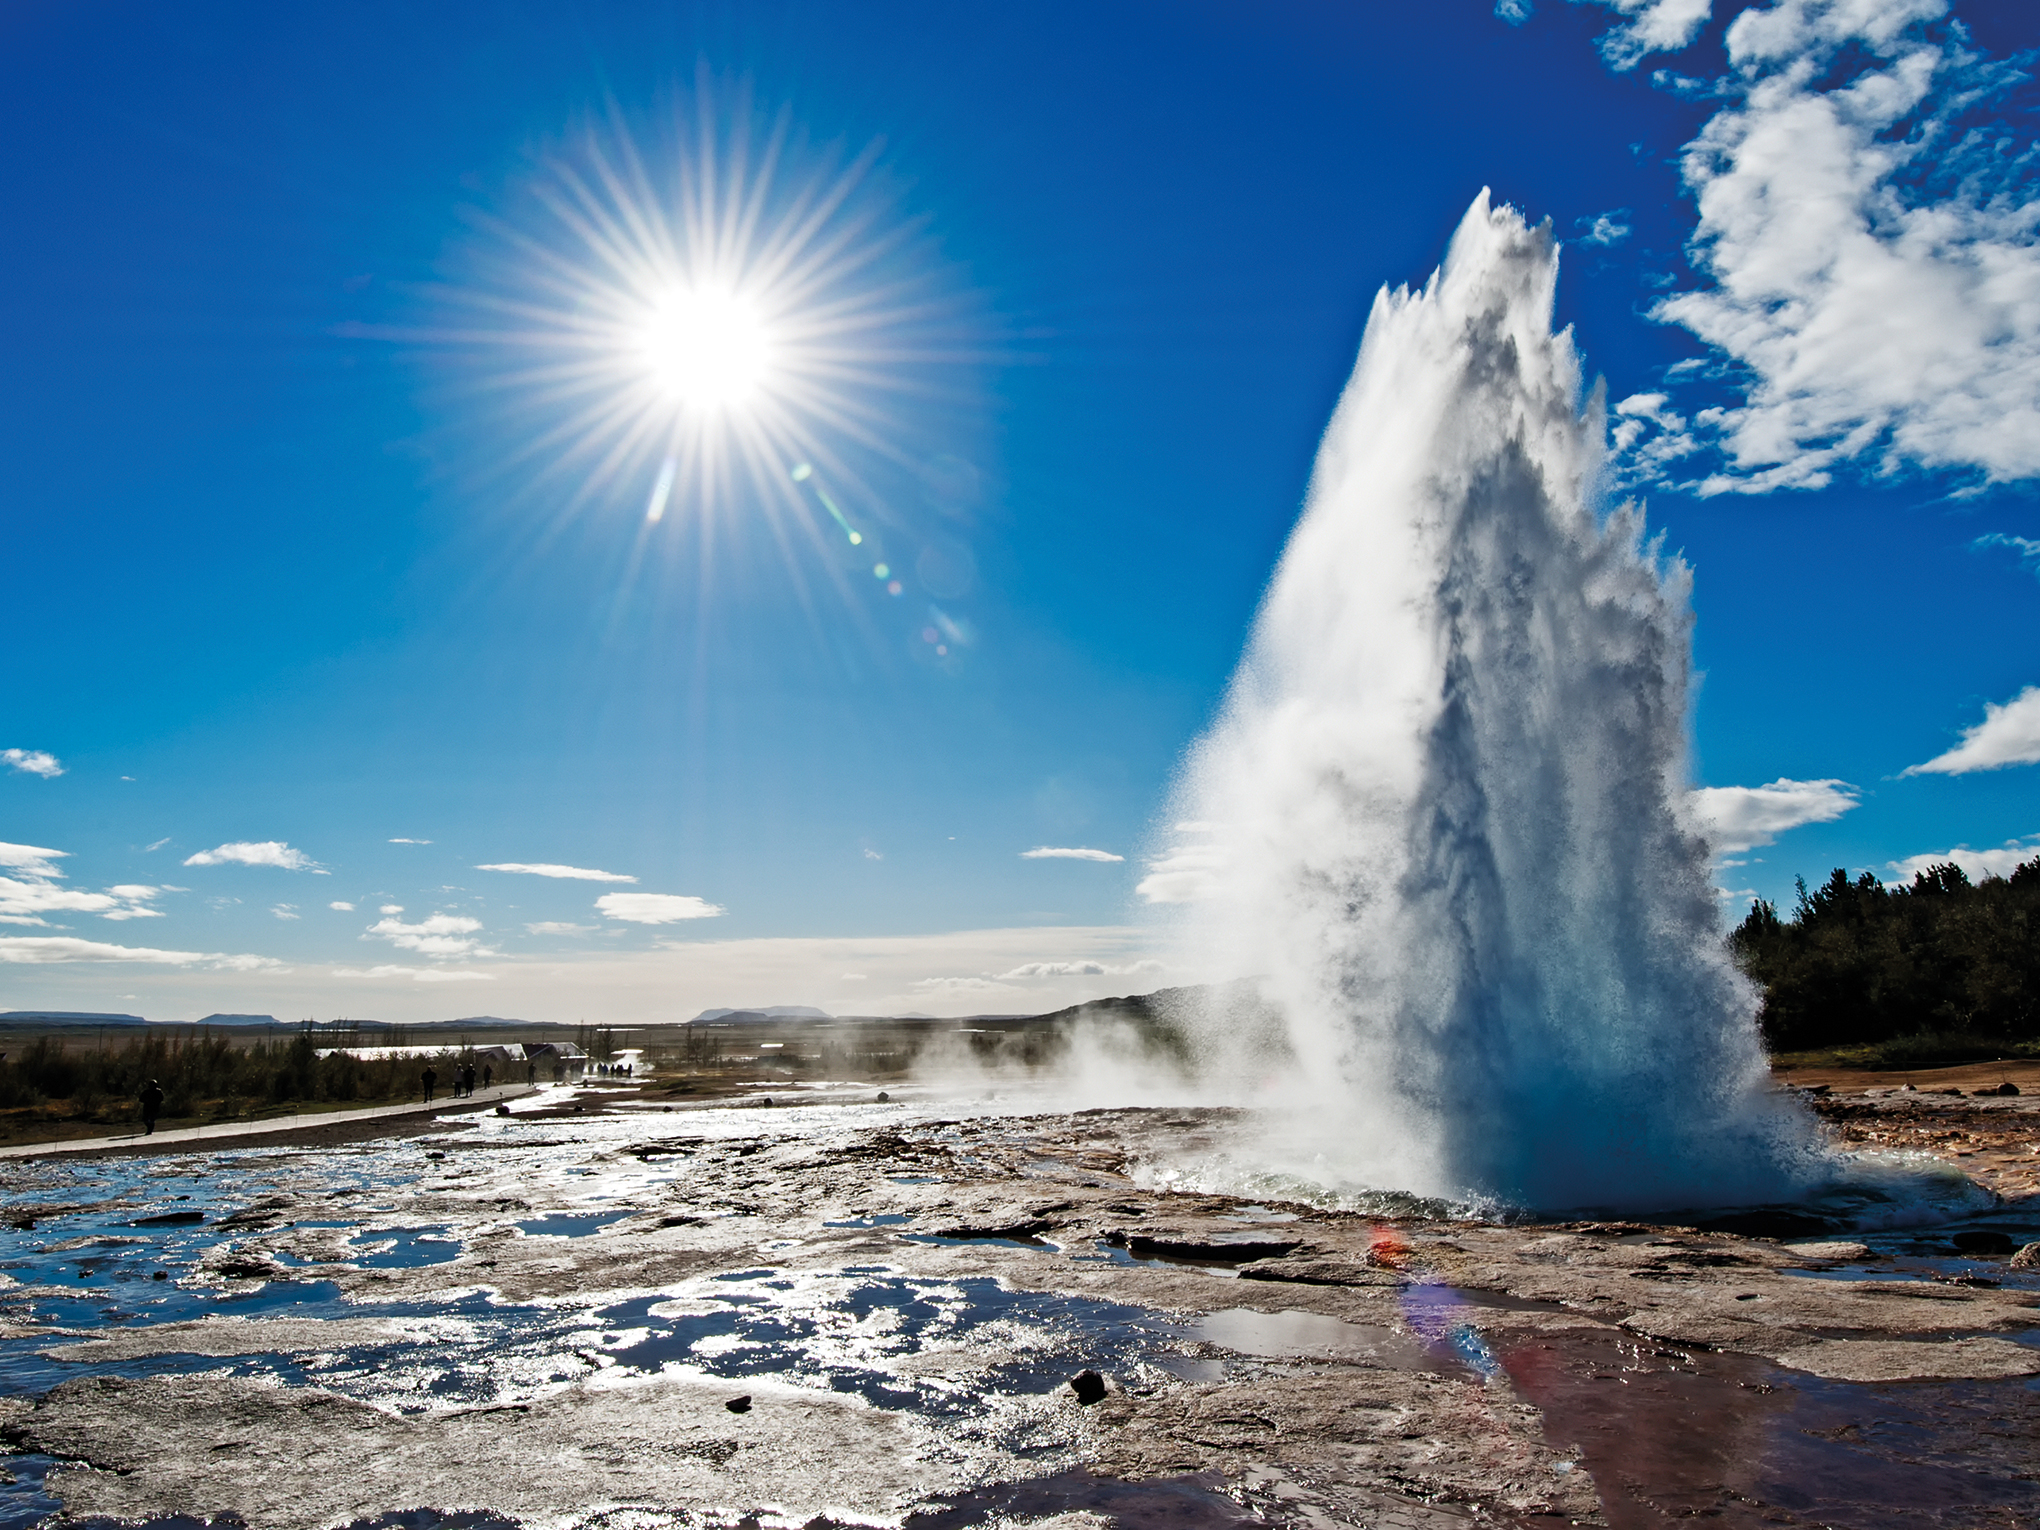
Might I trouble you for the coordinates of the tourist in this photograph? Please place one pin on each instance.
(488, 1075)
(152, 1106)
(428, 1078)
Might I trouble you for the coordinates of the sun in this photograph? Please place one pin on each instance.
(708, 349)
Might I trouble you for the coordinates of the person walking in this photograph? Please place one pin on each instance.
(428, 1078)
(152, 1106)
(488, 1076)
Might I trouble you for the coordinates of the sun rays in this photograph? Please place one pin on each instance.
(719, 322)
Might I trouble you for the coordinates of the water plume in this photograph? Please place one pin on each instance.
(1442, 817)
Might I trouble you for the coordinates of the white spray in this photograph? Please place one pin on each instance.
(1442, 817)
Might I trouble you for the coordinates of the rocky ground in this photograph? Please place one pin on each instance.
(870, 1314)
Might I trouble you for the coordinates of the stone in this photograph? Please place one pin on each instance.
(1912, 1360)
(1983, 1243)
(2026, 1258)
(741, 1404)
(1089, 1387)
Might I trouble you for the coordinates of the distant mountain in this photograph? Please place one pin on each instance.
(66, 1017)
(767, 1012)
(238, 1020)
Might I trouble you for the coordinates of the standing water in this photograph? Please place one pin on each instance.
(1442, 818)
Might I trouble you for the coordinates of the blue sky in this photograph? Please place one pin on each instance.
(297, 567)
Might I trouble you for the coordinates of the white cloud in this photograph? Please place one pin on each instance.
(1975, 864)
(45, 949)
(1654, 26)
(1027, 970)
(546, 869)
(417, 974)
(655, 908)
(410, 841)
(2008, 735)
(1743, 817)
(33, 762)
(1514, 12)
(961, 985)
(285, 911)
(1606, 228)
(391, 908)
(873, 855)
(31, 860)
(556, 927)
(435, 935)
(159, 844)
(1873, 273)
(267, 852)
(26, 897)
(2027, 548)
(345, 908)
(1183, 873)
(1072, 853)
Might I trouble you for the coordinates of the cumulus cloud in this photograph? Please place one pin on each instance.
(1071, 853)
(557, 927)
(1873, 277)
(44, 949)
(655, 908)
(547, 869)
(1653, 26)
(401, 841)
(267, 852)
(285, 911)
(33, 891)
(345, 908)
(1743, 817)
(1514, 12)
(1975, 864)
(2008, 735)
(32, 762)
(436, 935)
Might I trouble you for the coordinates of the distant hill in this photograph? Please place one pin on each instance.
(238, 1020)
(20, 1017)
(767, 1012)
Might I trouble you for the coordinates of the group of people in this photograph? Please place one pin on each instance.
(463, 1079)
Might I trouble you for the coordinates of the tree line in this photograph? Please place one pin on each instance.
(201, 1072)
(1942, 967)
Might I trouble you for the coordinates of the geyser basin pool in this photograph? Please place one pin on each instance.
(1443, 817)
(1403, 1370)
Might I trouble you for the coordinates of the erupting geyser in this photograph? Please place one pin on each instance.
(1443, 818)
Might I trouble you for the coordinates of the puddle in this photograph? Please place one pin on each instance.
(403, 1248)
(1733, 1440)
(883, 1219)
(571, 1224)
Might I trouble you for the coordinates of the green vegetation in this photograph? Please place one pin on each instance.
(205, 1076)
(1943, 970)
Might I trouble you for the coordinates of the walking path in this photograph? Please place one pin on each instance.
(227, 1129)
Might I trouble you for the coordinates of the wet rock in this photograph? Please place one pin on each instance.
(2007, 1088)
(1983, 1242)
(739, 1404)
(1089, 1387)
(883, 1097)
(1191, 1249)
(2026, 1258)
(170, 1219)
(1908, 1360)
(1831, 1252)
(1320, 1272)
(1770, 1222)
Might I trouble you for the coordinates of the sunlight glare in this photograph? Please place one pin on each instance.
(708, 349)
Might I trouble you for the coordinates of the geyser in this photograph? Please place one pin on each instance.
(1442, 819)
